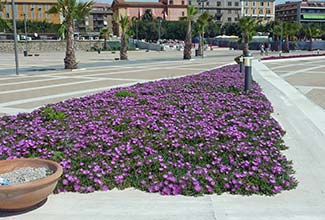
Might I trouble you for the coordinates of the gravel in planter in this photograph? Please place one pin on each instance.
(24, 175)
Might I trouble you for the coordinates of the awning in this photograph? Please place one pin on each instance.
(314, 16)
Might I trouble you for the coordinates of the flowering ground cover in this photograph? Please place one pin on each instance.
(194, 135)
(292, 56)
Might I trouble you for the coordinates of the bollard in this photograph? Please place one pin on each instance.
(248, 71)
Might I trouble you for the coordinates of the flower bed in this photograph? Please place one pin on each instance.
(193, 135)
(291, 56)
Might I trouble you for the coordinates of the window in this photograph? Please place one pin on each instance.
(170, 2)
(246, 3)
(246, 11)
(230, 11)
(268, 3)
(254, 4)
(229, 3)
(218, 3)
(236, 18)
(25, 8)
(183, 3)
(183, 13)
(189, 2)
(229, 19)
(268, 11)
(253, 11)
(262, 3)
(47, 7)
(8, 9)
(207, 3)
(236, 4)
(260, 11)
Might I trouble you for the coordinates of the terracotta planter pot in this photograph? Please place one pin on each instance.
(25, 195)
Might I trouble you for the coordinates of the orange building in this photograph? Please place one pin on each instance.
(170, 10)
(34, 10)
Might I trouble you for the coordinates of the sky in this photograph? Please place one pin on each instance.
(110, 1)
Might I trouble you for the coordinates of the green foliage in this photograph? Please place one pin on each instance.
(248, 26)
(147, 16)
(125, 93)
(213, 29)
(231, 29)
(38, 26)
(174, 30)
(51, 114)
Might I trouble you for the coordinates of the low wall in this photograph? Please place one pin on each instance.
(7, 46)
(149, 46)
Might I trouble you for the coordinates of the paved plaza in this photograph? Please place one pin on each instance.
(294, 109)
(305, 74)
(43, 81)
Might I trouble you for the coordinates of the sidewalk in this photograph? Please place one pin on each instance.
(305, 138)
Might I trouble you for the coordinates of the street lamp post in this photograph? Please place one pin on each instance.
(159, 29)
(15, 34)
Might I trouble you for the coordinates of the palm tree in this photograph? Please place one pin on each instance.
(71, 11)
(312, 32)
(289, 31)
(248, 27)
(104, 34)
(191, 12)
(202, 23)
(123, 21)
(277, 32)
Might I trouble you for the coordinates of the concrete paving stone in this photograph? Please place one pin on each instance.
(14, 96)
(14, 79)
(151, 74)
(307, 79)
(40, 103)
(317, 96)
(31, 84)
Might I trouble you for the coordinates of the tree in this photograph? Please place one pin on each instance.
(248, 27)
(289, 30)
(104, 34)
(124, 23)
(70, 11)
(191, 12)
(4, 25)
(312, 32)
(213, 29)
(202, 23)
(231, 29)
(277, 32)
(147, 16)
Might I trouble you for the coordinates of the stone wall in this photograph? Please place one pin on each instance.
(7, 46)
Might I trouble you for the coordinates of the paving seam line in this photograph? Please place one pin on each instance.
(312, 111)
(293, 59)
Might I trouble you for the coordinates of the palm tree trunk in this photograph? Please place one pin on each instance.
(188, 42)
(310, 44)
(287, 49)
(123, 49)
(200, 49)
(105, 44)
(70, 56)
(245, 49)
